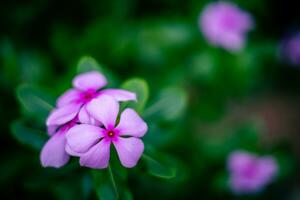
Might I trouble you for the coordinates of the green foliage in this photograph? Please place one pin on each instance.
(35, 102)
(87, 64)
(157, 169)
(28, 136)
(140, 88)
(200, 101)
(105, 184)
(170, 104)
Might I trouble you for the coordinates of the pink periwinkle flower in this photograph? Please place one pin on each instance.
(53, 153)
(290, 49)
(249, 173)
(74, 101)
(92, 143)
(225, 25)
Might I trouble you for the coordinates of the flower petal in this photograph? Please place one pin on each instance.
(71, 152)
(63, 115)
(81, 137)
(239, 160)
(267, 168)
(104, 109)
(129, 150)
(131, 124)
(89, 81)
(51, 130)
(120, 95)
(85, 118)
(69, 97)
(98, 156)
(53, 153)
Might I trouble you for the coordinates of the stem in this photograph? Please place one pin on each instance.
(113, 180)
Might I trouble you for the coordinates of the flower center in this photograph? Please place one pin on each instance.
(88, 95)
(110, 134)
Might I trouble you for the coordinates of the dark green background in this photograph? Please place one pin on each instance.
(203, 102)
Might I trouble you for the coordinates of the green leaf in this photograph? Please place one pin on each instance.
(127, 195)
(87, 63)
(140, 87)
(28, 136)
(9, 63)
(157, 168)
(170, 105)
(35, 102)
(105, 184)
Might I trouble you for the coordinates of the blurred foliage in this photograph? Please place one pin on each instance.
(186, 91)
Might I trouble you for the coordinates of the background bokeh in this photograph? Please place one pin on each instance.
(201, 102)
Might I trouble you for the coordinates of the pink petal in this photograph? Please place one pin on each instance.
(85, 118)
(233, 41)
(89, 81)
(51, 130)
(120, 95)
(71, 152)
(63, 115)
(98, 156)
(267, 168)
(129, 150)
(53, 153)
(239, 160)
(104, 109)
(131, 124)
(80, 138)
(69, 97)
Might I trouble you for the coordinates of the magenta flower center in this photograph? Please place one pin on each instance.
(88, 96)
(111, 134)
(251, 170)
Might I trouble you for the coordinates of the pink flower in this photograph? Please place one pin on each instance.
(290, 49)
(225, 25)
(249, 173)
(53, 153)
(74, 101)
(92, 143)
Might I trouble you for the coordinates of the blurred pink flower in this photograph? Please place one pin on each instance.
(290, 49)
(225, 25)
(249, 173)
(53, 153)
(74, 101)
(92, 143)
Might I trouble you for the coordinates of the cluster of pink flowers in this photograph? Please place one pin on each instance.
(83, 124)
(225, 25)
(250, 173)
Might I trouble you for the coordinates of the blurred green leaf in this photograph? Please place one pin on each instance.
(220, 181)
(34, 101)
(34, 67)
(127, 195)
(141, 89)
(203, 67)
(217, 146)
(158, 168)
(159, 43)
(105, 185)
(9, 62)
(286, 165)
(28, 136)
(86, 64)
(170, 105)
